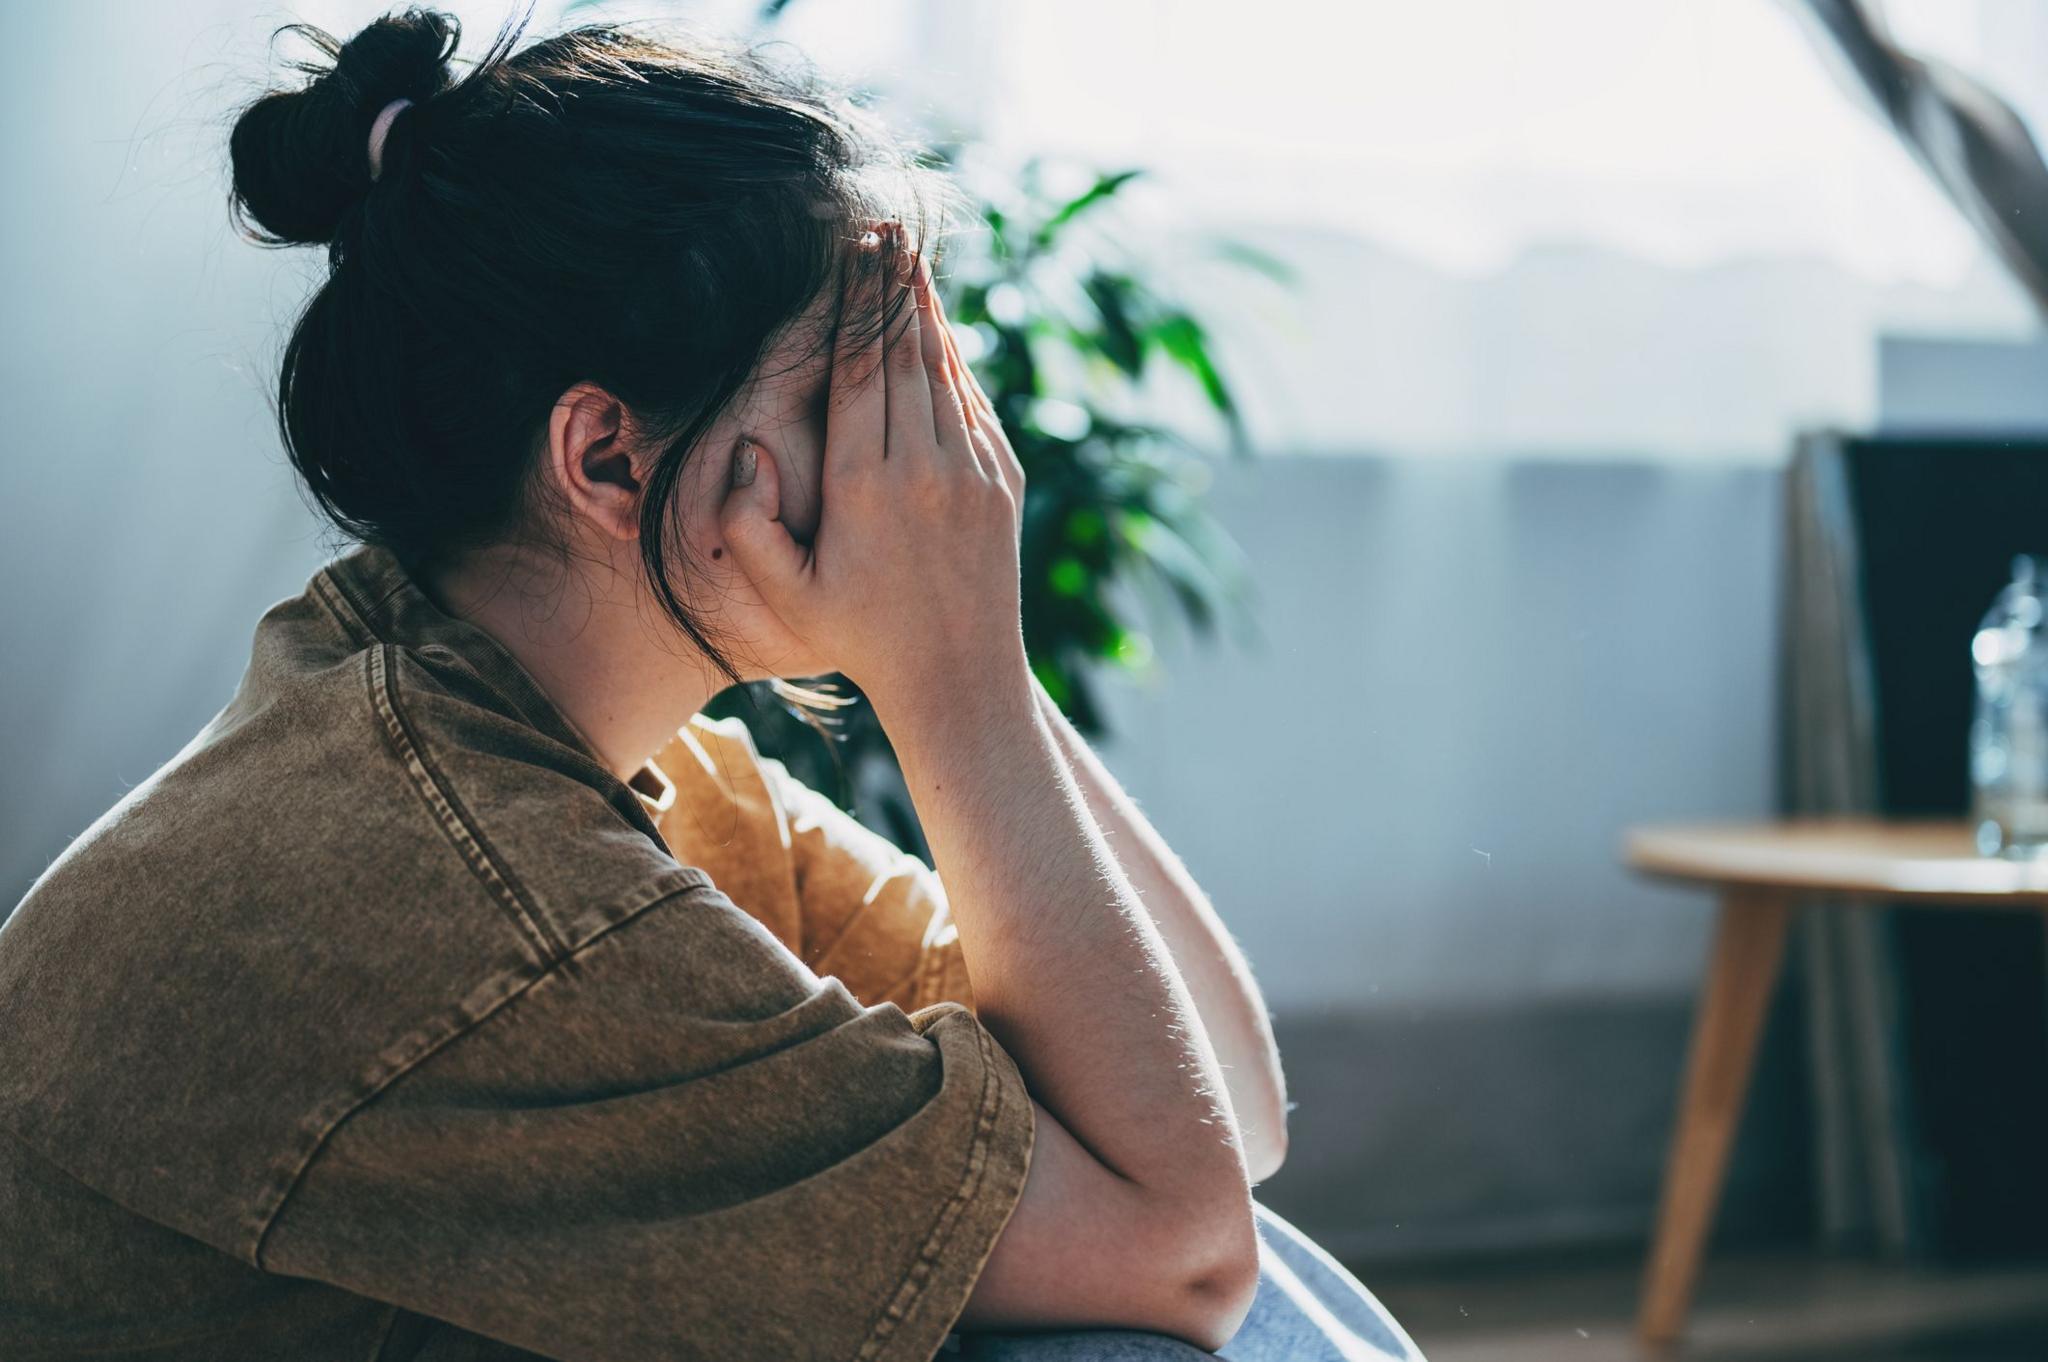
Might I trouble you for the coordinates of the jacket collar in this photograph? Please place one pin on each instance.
(389, 606)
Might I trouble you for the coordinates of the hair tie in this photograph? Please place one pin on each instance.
(378, 131)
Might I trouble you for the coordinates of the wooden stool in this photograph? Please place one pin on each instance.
(1759, 871)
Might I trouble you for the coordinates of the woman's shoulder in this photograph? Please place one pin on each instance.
(362, 854)
(354, 773)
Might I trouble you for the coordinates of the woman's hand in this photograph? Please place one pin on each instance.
(911, 581)
(982, 423)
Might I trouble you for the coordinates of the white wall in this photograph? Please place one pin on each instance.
(1474, 675)
(146, 513)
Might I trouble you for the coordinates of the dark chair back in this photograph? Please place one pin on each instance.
(1936, 524)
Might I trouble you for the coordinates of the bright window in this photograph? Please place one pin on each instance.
(1583, 229)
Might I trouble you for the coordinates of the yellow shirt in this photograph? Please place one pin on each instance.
(844, 899)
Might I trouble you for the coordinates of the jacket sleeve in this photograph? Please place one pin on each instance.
(872, 914)
(677, 1143)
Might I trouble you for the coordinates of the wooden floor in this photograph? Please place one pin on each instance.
(1754, 1308)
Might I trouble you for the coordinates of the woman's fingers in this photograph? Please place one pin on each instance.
(911, 431)
(857, 409)
(987, 431)
(979, 420)
(971, 395)
(969, 389)
(750, 522)
(949, 415)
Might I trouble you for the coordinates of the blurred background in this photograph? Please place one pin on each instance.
(1455, 389)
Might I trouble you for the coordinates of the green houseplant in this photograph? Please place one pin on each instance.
(1062, 330)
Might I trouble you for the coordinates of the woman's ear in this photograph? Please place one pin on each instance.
(590, 460)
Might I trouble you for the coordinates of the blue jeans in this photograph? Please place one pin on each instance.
(1309, 1309)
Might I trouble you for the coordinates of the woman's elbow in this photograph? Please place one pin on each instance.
(1205, 1260)
(1219, 1286)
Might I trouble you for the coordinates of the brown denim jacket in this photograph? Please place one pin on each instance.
(385, 1022)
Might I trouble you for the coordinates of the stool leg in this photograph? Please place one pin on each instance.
(1749, 942)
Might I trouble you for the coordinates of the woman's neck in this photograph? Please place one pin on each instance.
(602, 650)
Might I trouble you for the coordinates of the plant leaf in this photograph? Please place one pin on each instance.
(1105, 187)
(1183, 338)
(1255, 260)
(1120, 340)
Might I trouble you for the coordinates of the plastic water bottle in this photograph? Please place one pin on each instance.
(2009, 735)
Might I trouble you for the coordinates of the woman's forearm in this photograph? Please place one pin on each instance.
(1069, 971)
(1216, 972)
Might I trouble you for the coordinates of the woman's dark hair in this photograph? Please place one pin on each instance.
(603, 205)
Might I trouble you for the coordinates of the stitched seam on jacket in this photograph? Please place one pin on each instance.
(363, 610)
(915, 1281)
(336, 602)
(695, 884)
(456, 824)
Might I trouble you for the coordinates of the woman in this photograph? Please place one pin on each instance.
(459, 991)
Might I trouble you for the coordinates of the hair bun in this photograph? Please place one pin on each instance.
(301, 157)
